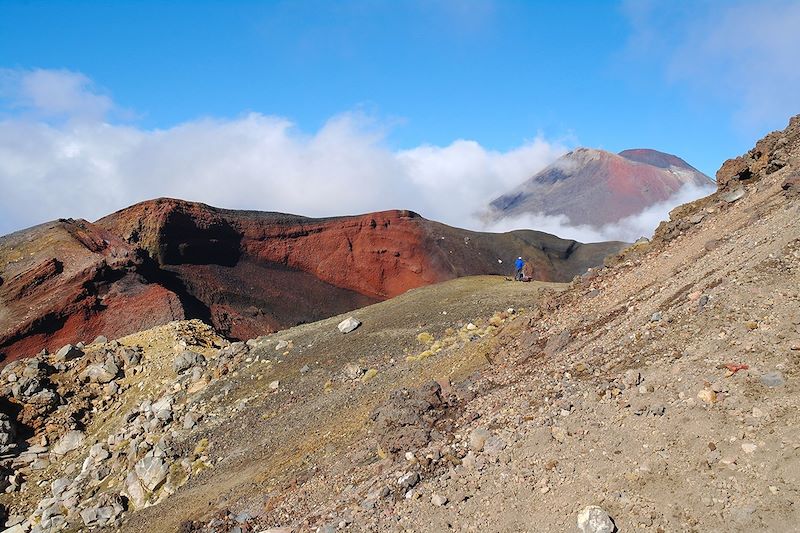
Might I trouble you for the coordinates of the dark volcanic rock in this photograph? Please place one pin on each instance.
(404, 422)
(791, 185)
(769, 155)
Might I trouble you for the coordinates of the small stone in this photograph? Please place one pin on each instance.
(40, 464)
(478, 438)
(594, 519)
(152, 471)
(408, 480)
(655, 317)
(378, 492)
(349, 324)
(632, 378)
(100, 339)
(438, 500)
(493, 446)
(99, 373)
(186, 360)
(471, 327)
(274, 385)
(713, 456)
(58, 486)
(68, 353)
(70, 441)
(733, 195)
(559, 434)
(197, 386)
(134, 491)
(98, 453)
(773, 379)
(281, 346)
(469, 461)
(190, 420)
(305, 370)
(749, 447)
(111, 388)
(708, 396)
(352, 371)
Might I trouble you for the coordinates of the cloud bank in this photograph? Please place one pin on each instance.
(627, 229)
(61, 156)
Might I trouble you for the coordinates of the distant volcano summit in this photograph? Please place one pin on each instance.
(596, 187)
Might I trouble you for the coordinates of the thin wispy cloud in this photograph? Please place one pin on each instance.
(742, 53)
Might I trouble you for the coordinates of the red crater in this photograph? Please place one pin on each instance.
(247, 273)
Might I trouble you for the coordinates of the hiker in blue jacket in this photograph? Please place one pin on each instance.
(519, 265)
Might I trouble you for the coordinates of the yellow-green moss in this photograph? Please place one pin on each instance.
(425, 337)
(369, 374)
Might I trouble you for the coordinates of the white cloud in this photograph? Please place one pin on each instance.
(738, 51)
(81, 165)
(54, 93)
(90, 167)
(627, 229)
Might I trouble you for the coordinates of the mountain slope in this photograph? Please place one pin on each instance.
(596, 187)
(245, 273)
(662, 389)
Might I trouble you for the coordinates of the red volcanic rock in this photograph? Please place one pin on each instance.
(255, 272)
(247, 273)
(70, 280)
(596, 187)
(26, 282)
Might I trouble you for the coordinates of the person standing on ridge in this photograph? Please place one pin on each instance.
(519, 264)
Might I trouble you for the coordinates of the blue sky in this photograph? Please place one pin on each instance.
(674, 76)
